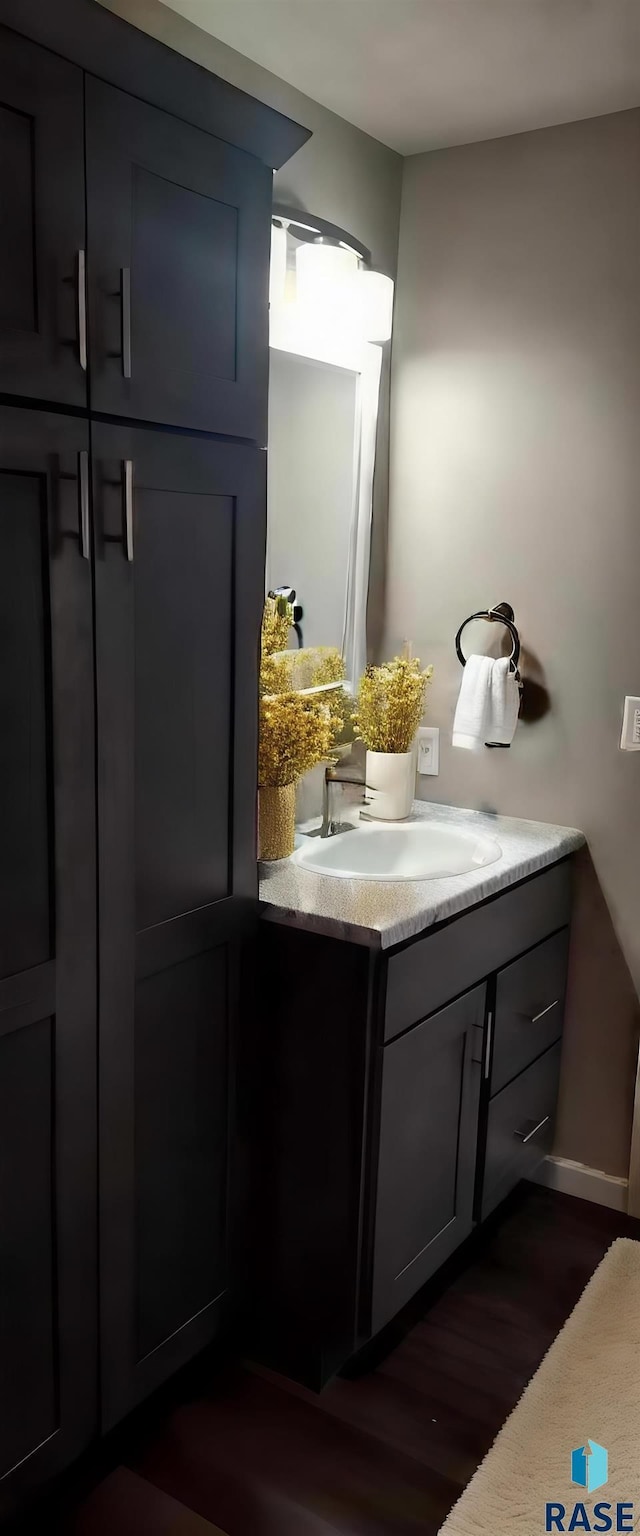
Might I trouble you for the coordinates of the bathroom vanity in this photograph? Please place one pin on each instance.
(409, 1040)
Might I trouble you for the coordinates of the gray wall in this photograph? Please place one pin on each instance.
(515, 475)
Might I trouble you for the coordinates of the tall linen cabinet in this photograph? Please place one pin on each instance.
(134, 246)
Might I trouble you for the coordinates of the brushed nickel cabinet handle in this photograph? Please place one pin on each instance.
(81, 294)
(487, 1057)
(543, 1011)
(83, 482)
(125, 320)
(127, 471)
(524, 1135)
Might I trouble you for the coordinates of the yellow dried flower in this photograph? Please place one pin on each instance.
(275, 674)
(390, 704)
(344, 706)
(296, 732)
(277, 618)
(328, 666)
(312, 667)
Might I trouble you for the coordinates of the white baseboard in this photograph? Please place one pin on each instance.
(587, 1183)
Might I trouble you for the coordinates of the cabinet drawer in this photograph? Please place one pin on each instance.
(529, 1008)
(520, 1128)
(462, 952)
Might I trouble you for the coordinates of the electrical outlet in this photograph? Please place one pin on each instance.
(428, 749)
(630, 739)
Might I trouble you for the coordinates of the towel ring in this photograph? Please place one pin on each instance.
(502, 614)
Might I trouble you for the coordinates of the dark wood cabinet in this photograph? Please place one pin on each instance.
(134, 259)
(134, 239)
(178, 242)
(42, 227)
(426, 1162)
(375, 1136)
(48, 1308)
(179, 530)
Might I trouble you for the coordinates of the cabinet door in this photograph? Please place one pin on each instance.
(427, 1150)
(179, 586)
(42, 223)
(48, 1287)
(178, 232)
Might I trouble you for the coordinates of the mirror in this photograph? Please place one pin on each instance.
(312, 423)
(323, 410)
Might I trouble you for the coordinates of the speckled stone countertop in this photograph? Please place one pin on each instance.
(381, 914)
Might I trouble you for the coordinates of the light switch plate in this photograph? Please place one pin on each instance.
(428, 749)
(630, 739)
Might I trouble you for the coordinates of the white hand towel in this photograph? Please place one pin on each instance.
(473, 709)
(504, 704)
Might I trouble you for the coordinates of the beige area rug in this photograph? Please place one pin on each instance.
(587, 1388)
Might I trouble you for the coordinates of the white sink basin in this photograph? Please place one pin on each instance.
(408, 850)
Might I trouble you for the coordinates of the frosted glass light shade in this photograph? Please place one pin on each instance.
(278, 265)
(375, 305)
(331, 307)
(325, 277)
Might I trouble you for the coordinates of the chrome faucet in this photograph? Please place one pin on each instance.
(348, 770)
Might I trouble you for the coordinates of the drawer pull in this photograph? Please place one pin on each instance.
(543, 1011)
(127, 471)
(487, 1058)
(125, 320)
(83, 478)
(525, 1134)
(81, 295)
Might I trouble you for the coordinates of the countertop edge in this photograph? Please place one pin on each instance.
(329, 927)
(412, 927)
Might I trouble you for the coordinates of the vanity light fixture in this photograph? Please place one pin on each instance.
(322, 269)
(374, 293)
(325, 277)
(337, 292)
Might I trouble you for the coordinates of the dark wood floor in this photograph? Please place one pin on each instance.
(381, 1454)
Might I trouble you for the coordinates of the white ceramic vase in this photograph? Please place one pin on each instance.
(391, 781)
